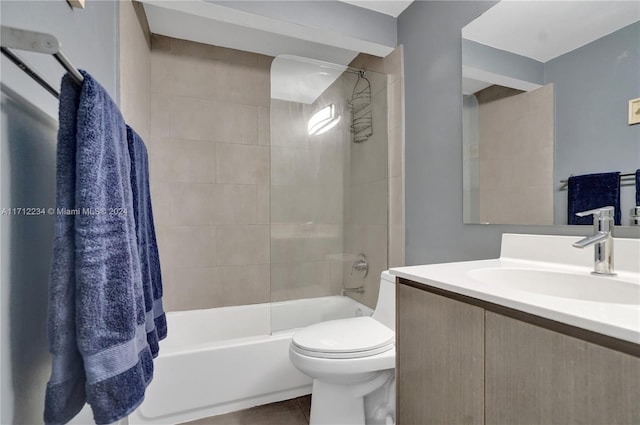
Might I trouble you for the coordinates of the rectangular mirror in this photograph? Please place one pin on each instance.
(546, 87)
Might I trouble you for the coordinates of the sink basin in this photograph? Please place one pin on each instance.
(562, 285)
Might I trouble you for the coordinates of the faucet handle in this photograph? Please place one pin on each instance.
(600, 212)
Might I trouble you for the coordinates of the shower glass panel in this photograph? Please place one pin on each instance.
(329, 188)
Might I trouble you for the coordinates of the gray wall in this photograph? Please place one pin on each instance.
(27, 177)
(430, 33)
(592, 87)
(501, 62)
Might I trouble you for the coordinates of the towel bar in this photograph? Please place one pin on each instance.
(624, 176)
(39, 42)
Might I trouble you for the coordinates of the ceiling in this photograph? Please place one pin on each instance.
(541, 30)
(544, 30)
(390, 7)
(325, 32)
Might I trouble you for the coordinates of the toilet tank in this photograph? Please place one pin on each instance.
(385, 311)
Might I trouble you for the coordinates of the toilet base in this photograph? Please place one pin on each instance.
(340, 404)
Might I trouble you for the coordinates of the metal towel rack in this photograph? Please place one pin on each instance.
(623, 178)
(39, 42)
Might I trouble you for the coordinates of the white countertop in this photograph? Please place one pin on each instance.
(551, 254)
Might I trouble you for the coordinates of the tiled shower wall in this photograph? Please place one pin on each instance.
(516, 136)
(307, 199)
(135, 63)
(209, 158)
(374, 218)
(208, 143)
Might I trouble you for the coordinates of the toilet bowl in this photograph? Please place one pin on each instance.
(352, 363)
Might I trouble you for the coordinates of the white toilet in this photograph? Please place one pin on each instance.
(352, 363)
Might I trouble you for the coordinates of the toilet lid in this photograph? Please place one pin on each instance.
(344, 338)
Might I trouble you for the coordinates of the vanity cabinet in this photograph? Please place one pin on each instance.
(467, 362)
(440, 355)
(537, 376)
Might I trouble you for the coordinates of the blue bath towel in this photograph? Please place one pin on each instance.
(147, 246)
(97, 332)
(637, 187)
(592, 191)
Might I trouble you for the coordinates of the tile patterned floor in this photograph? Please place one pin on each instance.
(289, 412)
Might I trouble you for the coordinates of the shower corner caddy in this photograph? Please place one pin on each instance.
(360, 106)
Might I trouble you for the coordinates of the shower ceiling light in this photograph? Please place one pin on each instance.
(323, 120)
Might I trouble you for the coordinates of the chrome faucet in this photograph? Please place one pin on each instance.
(602, 240)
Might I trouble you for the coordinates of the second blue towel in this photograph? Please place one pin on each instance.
(592, 191)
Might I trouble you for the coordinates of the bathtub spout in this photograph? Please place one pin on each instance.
(358, 290)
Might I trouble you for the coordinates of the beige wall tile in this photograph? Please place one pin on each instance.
(263, 204)
(194, 288)
(396, 246)
(185, 48)
(168, 286)
(368, 239)
(288, 123)
(396, 201)
(515, 159)
(265, 61)
(283, 163)
(234, 204)
(185, 161)
(160, 116)
(240, 57)
(370, 201)
(191, 246)
(289, 204)
(160, 43)
(245, 83)
(163, 241)
(135, 64)
(234, 123)
(238, 245)
(297, 280)
(264, 126)
(162, 201)
(324, 203)
(240, 285)
(190, 118)
(160, 75)
(284, 242)
(242, 164)
(318, 247)
(396, 151)
(369, 161)
(183, 68)
(325, 164)
(191, 204)
(250, 85)
(190, 76)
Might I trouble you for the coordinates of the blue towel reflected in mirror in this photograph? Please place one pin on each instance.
(590, 191)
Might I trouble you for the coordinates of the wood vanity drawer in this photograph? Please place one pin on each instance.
(474, 362)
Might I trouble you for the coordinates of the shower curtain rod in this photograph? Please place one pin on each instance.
(39, 42)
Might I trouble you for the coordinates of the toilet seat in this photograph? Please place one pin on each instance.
(351, 338)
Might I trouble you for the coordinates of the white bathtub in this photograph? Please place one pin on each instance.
(225, 359)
